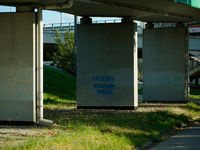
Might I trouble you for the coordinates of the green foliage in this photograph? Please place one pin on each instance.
(140, 70)
(140, 91)
(64, 57)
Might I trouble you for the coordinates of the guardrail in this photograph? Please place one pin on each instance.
(62, 27)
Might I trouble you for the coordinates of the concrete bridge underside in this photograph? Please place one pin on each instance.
(109, 79)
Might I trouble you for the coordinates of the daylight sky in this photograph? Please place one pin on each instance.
(53, 16)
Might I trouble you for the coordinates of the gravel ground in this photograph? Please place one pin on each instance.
(19, 134)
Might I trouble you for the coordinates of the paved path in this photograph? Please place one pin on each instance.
(189, 139)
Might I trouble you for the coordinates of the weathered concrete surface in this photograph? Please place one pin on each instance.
(107, 65)
(165, 68)
(186, 140)
(17, 67)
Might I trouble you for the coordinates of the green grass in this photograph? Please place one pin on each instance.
(194, 94)
(99, 129)
(92, 129)
(140, 91)
(59, 89)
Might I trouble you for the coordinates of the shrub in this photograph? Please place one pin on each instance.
(64, 57)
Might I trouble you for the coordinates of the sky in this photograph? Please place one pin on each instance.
(50, 17)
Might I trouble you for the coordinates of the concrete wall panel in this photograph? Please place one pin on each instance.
(107, 65)
(164, 64)
(17, 67)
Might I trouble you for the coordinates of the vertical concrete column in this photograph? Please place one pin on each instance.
(165, 64)
(17, 67)
(107, 66)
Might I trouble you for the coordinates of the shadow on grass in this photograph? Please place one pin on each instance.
(194, 92)
(138, 127)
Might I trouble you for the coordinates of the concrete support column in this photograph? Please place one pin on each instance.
(86, 20)
(107, 66)
(165, 64)
(17, 67)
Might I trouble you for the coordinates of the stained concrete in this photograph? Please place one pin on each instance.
(107, 66)
(165, 64)
(17, 66)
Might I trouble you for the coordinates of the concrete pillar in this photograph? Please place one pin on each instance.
(86, 20)
(165, 64)
(17, 67)
(107, 66)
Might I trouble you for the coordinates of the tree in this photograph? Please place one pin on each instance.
(140, 70)
(64, 57)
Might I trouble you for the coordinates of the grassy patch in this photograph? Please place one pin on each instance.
(195, 94)
(59, 89)
(109, 129)
(140, 91)
(100, 129)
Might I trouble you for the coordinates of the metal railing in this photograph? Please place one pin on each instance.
(62, 27)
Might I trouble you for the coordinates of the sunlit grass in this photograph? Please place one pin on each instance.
(100, 129)
(53, 101)
(194, 94)
(59, 89)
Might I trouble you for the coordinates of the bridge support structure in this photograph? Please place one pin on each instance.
(165, 64)
(18, 66)
(107, 65)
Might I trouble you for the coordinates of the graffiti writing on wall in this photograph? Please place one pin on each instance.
(13, 75)
(104, 85)
(171, 79)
